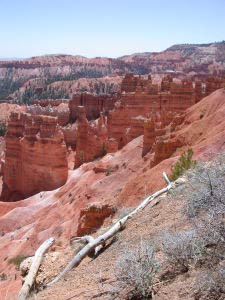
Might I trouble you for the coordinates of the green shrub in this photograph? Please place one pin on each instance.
(184, 163)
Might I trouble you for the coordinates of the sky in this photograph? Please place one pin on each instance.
(106, 27)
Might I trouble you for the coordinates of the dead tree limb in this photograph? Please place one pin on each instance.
(85, 240)
(29, 281)
(82, 239)
(93, 243)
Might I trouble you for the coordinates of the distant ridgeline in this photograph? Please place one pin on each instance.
(59, 76)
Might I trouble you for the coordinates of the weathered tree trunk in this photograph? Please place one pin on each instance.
(93, 243)
(34, 268)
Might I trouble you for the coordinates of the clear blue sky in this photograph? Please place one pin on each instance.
(106, 27)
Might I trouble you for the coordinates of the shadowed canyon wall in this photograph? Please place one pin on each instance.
(93, 105)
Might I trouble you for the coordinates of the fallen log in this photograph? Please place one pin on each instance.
(29, 281)
(92, 243)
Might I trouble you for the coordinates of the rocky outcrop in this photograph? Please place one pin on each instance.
(144, 108)
(6, 109)
(198, 91)
(149, 136)
(141, 99)
(213, 84)
(70, 135)
(129, 83)
(35, 158)
(93, 217)
(93, 105)
(111, 145)
(158, 133)
(163, 149)
(61, 111)
(166, 83)
(91, 138)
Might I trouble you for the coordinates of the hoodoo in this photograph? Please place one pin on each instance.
(35, 157)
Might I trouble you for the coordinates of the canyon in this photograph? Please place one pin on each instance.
(80, 161)
(93, 126)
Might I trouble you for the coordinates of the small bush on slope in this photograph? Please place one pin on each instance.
(205, 194)
(135, 271)
(183, 248)
(210, 285)
(184, 163)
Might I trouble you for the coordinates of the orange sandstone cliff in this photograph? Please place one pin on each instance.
(35, 157)
(91, 138)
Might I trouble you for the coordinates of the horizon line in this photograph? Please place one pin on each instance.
(5, 59)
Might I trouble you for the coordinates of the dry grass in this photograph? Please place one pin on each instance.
(135, 271)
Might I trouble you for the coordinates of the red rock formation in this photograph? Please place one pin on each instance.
(93, 105)
(135, 128)
(129, 83)
(111, 145)
(70, 135)
(198, 91)
(140, 99)
(149, 136)
(158, 135)
(163, 149)
(166, 83)
(6, 109)
(213, 84)
(35, 158)
(61, 112)
(91, 139)
(92, 218)
(180, 97)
